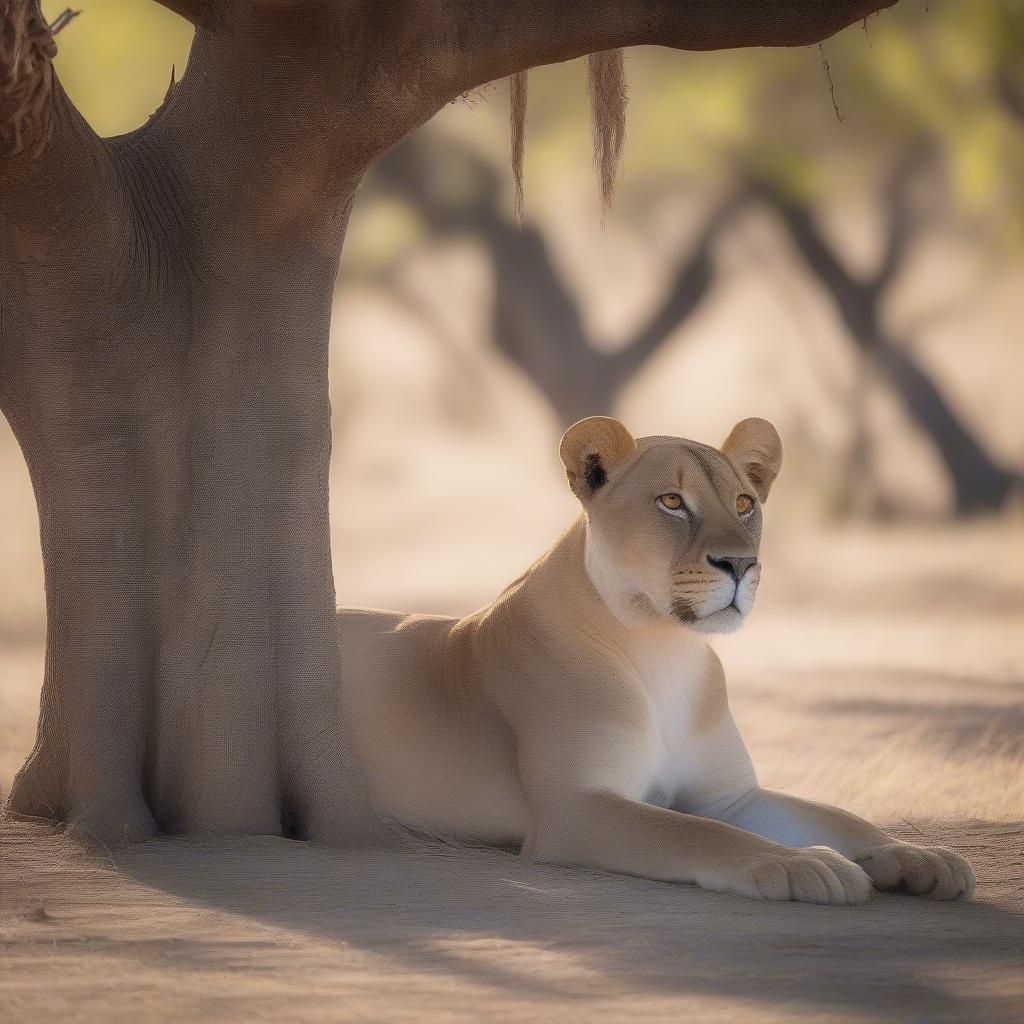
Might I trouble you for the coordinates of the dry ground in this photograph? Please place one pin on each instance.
(267, 929)
(892, 683)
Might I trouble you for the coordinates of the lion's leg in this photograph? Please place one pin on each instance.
(928, 870)
(607, 831)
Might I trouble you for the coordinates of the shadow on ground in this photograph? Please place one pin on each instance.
(401, 933)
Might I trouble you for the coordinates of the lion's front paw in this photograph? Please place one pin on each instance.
(922, 870)
(814, 875)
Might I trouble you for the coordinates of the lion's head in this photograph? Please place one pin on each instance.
(673, 526)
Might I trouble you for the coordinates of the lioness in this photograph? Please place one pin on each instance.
(583, 715)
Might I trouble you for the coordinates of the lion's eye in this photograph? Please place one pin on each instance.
(744, 503)
(670, 501)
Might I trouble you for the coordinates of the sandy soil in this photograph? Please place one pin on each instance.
(894, 691)
(267, 929)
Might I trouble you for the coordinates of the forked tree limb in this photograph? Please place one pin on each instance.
(353, 76)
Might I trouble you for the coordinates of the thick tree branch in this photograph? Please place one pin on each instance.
(393, 63)
(489, 39)
(345, 80)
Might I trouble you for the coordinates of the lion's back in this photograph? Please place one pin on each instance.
(436, 755)
(383, 629)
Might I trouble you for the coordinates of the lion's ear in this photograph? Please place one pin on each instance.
(590, 450)
(755, 448)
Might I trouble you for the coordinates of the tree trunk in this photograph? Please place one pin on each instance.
(180, 463)
(165, 372)
(164, 320)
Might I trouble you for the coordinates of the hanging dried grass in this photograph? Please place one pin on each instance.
(608, 96)
(517, 117)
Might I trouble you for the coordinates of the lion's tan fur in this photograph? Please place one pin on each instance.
(582, 715)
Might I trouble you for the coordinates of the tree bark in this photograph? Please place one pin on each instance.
(164, 356)
(164, 319)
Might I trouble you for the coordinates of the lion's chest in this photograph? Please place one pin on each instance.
(693, 752)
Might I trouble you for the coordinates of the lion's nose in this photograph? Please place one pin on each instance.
(732, 565)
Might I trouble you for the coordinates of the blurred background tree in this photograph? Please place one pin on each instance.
(840, 169)
(930, 139)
